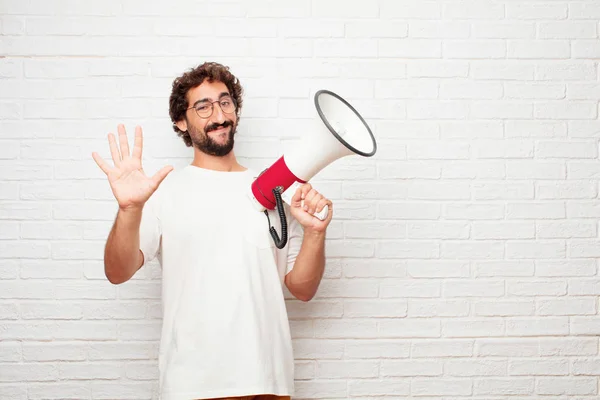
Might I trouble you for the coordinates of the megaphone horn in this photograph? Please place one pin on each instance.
(341, 131)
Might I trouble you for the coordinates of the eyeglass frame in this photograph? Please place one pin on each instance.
(212, 105)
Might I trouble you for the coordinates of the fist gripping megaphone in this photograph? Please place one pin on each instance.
(340, 131)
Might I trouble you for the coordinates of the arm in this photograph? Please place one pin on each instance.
(304, 279)
(122, 254)
(132, 189)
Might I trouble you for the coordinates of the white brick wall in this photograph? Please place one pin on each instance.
(462, 262)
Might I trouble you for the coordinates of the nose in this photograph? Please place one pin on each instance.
(217, 116)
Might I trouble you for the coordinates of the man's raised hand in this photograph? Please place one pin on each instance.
(128, 181)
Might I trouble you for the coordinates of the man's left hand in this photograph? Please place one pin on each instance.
(314, 202)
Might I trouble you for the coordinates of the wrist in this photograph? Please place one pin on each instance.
(130, 213)
(312, 234)
(131, 209)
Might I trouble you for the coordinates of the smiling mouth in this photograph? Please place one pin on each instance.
(220, 131)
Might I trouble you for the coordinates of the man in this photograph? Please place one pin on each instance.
(225, 330)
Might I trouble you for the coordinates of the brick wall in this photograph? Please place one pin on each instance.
(462, 261)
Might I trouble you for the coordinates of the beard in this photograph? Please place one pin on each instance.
(203, 142)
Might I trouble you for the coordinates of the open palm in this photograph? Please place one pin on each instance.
(128, 181)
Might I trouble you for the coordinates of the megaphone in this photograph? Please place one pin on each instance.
(339, 131)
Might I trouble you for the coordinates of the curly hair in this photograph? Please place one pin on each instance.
(210, 71)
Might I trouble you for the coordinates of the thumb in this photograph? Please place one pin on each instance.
(161, 175)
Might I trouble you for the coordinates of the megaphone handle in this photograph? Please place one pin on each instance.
(321, 215)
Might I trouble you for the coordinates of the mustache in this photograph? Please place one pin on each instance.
(213, 127)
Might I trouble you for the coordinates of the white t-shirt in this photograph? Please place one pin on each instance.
(225, 326)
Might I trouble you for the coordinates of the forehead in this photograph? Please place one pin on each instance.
(207, 90)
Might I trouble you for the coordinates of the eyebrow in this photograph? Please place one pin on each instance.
(223, 94)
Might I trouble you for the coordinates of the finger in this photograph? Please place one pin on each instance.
(101, 163)
(321, 204)
(114, 150)
(329, 211)
(323, 215)
(123, 141)
(307, 199)
(161, 175)
(297, 196)
(309, 196)
(137, 143)
(312, 203)
(306, 188)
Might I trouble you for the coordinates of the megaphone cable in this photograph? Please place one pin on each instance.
(279, 243)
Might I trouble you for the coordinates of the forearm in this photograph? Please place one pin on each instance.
(304, 279)
(122, 256)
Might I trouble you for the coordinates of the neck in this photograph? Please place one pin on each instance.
(227, 163)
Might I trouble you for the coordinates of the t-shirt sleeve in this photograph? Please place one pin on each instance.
(150, 229)
(295, 236)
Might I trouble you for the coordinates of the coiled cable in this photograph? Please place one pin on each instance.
(279, 243)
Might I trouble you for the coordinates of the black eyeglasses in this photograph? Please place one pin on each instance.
(205, 109)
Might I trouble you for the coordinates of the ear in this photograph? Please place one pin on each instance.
(182, 125)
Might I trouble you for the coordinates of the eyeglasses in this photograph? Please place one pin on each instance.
(205, 109)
